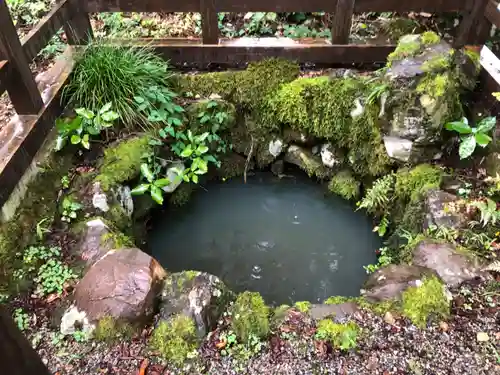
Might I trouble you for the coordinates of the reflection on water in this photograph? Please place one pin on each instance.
(282, 238)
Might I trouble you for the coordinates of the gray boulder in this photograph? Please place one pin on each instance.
(391, 281)
(95, 242)
(442, 209)
(339, 312)
(452, 266)
(198, 295)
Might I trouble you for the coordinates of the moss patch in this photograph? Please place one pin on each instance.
(345, 185)
(182, 194)
(175, 340)
(202, 115)
(341, 336)
(122, 162)
(250, 316)
(110, 330)
(302, 306)
(425, 301)
(430, 38)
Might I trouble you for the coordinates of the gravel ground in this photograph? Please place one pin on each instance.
(397, 347)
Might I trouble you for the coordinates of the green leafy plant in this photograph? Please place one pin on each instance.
(21, 319)
(157, 105)
(215, 116)
(28, 12)
(83, 126)
(70, 209)
(377, 198)
(65, 181)
(341, 336)
(116, 74)
(381, 229)
(42, 230)
(44, 264)
(470, 137)
(384, 259)
(153, 184)
(80, 336)
(488, 209)
(258, 23)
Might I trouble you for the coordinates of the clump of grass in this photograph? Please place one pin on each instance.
(109, 73)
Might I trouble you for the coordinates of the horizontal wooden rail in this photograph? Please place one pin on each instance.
(274, 5)
(48, 26)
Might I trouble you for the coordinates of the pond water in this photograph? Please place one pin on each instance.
(282, 238)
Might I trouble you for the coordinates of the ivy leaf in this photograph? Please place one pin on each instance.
(486, 124)
(467, 147)
(459, 126)
(75, 139)
(85, 141)
(210, 158)
(201, 149)
(140, 189)
(195, 178)
(109, 116)
(187, 152)
(105, 108)
(139, 99)
(482, 139)
(157, 194)
(85, 113)
(162, 182)
(146, 172)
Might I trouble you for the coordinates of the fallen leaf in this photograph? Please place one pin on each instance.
(144, 366)
(221, 344)
(389, 319)
(444, 326)
(483, 337)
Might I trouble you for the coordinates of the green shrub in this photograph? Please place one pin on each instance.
(345, 185)
(422, 302)
(176, 339)
(115, 74)
(108, 329)
(341, 336)
(302, 306)
(250, 316)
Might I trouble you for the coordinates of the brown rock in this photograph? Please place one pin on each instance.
(390, 281)
(452, 267)
(123, 284)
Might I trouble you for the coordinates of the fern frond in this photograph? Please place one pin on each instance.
(377, 198)
(493, 267)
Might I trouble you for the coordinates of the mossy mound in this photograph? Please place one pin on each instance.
(111, 330)
(175, 340)
(122, 162)
(211, 115)
(340, 336)
(428, 300)
(250, 316)
(345, 185)
(302, 306)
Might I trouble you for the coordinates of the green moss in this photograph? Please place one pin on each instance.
(118, 240)
(341, 336)
(345, 185)
(118, 217)
(475, 57)
(436, 64)
(250, 316)
(175, 340)
(110, 330)
(430, 38)
(436, 86)
(303, 306)
(197, 111)
(232, 165)
(182, 194)
(121, 162)
(39, 202)
(408, 46)
(423, 302)
(379, 308)
(410, 183)
(204, 85)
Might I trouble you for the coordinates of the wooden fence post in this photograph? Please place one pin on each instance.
(209, 22)
(78, 29)
(21, 85)
(342, 21)
(16, 354)
(472, 20)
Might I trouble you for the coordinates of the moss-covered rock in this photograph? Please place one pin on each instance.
(233, 165)
(419, 303)
(302, 306)
(175, 340)
(122, 161)
(182, 194)
(305, 160)
(111, 330)
(250, 316)
(200, 296)
(345, 185)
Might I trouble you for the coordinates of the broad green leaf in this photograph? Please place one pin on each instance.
(482, 139)
(85, 113)
(201, 149)
(75, 139)
(162, 133)
(205, 119)
(467, 147)
(157, 194)
(195, 178)
(146, 172)
(202, 137)
(201, 114)
(142, 107)
(195, 163)
(178, 109)
(139, 99)
(458, 126)
(162, 182)
(187, 152)
(190, 135)
(85, 141)
(486, 124)
(202, 165)
(110, 116)
(176, 121)
(105, 108)
(181, 135)
(212, 104)
(60, 142)
(185, 177)
(210, 158)
(94, 130)
(170, 131)
(140, 189)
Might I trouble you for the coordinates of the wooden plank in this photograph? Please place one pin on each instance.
(21, 138)
(209, 22)
(16, 354)
(493, 13)
(22, 87)
(236, 55)
(465, 32)
(78, 29)
(274, 5)
(342, 21)
(48, 26)
(4, 75)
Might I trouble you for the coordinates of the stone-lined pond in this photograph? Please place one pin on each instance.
(281, 237)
